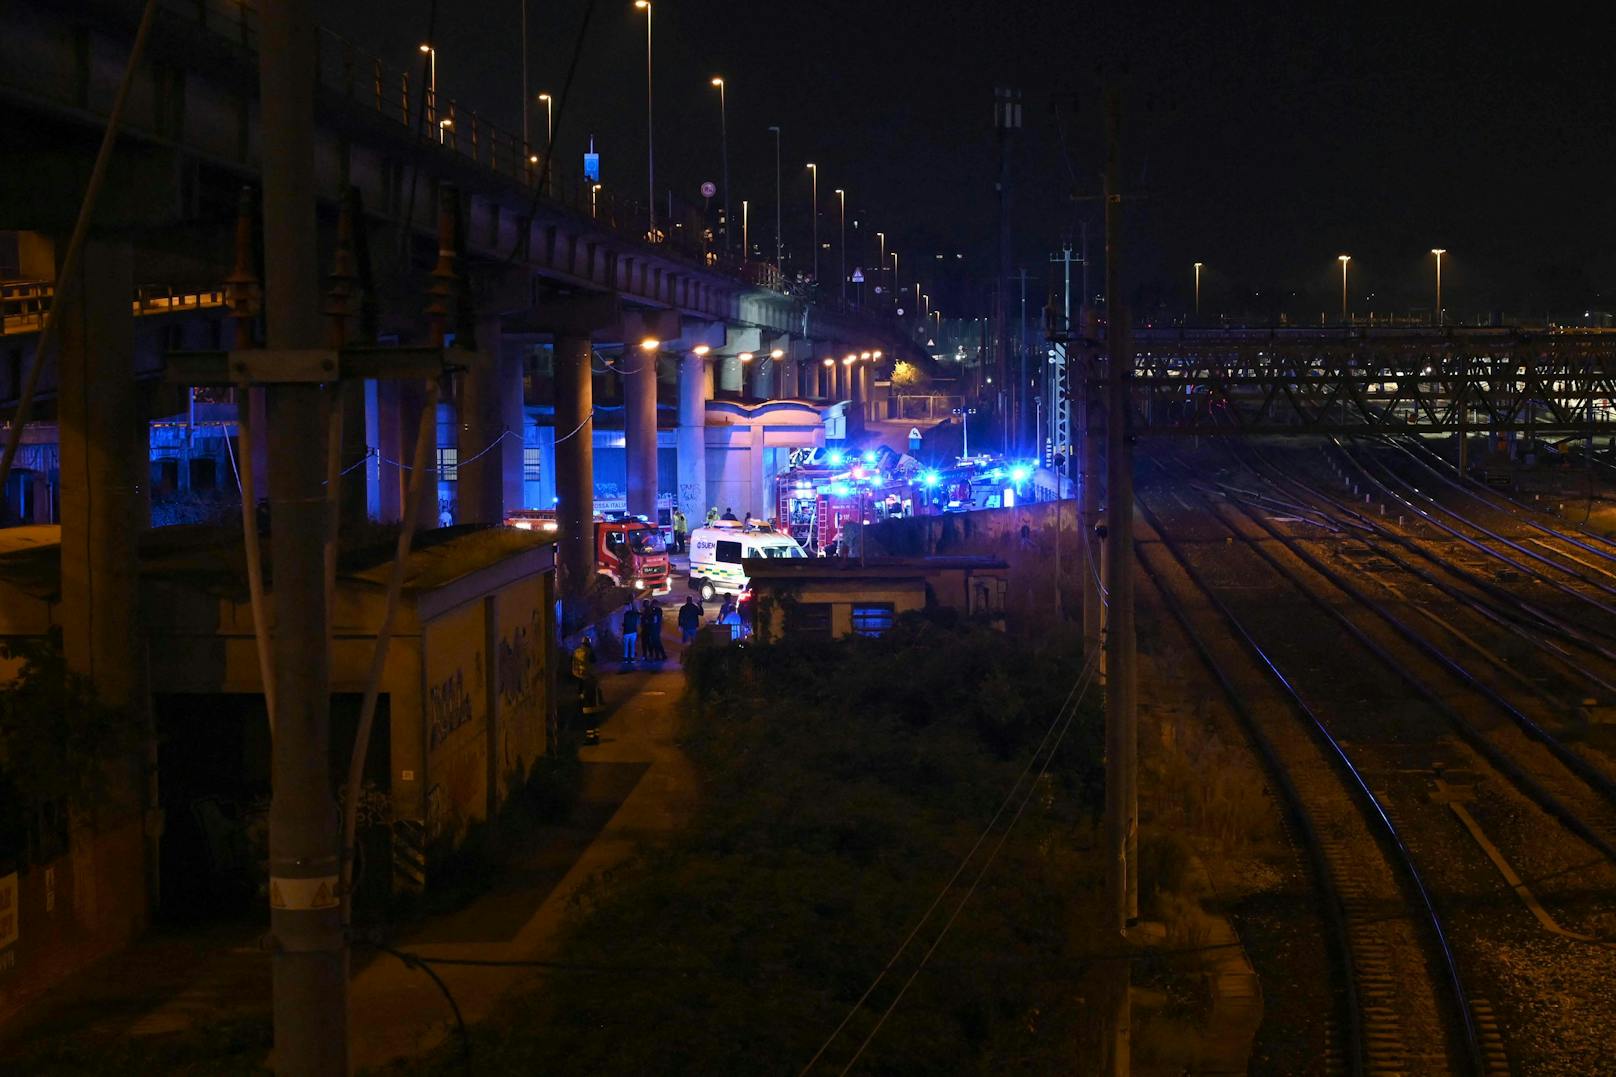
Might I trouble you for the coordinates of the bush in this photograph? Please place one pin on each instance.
(842, 783)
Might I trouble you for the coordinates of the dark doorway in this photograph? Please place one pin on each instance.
(214, 771)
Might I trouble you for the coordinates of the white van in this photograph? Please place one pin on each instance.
(716, 553)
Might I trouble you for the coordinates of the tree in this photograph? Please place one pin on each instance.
(906, 375)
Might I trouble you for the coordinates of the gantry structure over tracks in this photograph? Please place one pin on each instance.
(1221, 382)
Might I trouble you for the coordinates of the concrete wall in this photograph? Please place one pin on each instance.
(58, 917)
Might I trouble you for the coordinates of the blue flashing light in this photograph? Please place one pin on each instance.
(931, 478)
(995, 473)
(858, 473)
(841, 489)
(870, 458)
(1020, 474)
(836, 458)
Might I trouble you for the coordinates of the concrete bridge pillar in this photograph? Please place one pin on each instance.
(479, 429)
(695, 389)
(574, 323)
(729, 372)
(644, 337)
(512, 416)
(575, 470)
(104, 473)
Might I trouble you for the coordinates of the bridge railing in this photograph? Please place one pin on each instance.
(443, 125)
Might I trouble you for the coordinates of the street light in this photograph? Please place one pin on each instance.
(723, 136)
(594, 195)
(841, 195)
(432, 85)
(1439, 252)
(814, 169)
(1198, 290)
(1344, 259)
(650, 154)
(549, 137)
(965, 429)
(778, 353)
(779, 245)
(650, 344)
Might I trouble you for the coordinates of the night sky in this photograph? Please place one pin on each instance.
(1264, 141)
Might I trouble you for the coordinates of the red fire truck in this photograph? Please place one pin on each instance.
(629, 550)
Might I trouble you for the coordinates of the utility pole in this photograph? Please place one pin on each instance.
(1121, 734)
(1006, 118)
(1022, 388)
(310, 967)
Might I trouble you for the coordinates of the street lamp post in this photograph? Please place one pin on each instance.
(965, 429)
(1439, 252)
(1198, 290)
(549, 133)
(431, 54)
(813, 169)
(779, 245)
(1344, 259)
(746, 234)
(650, 153)
(841, 195)
(527, 134)
(723, 136)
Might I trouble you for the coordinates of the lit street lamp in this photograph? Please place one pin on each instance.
(746, 235)
(1344, 259)
(814, 170)
(723, 137)
(1198, 290)
(1439, 252)
(549, 137)
(431, 55)
(842, 196)
(965, 429)
(779, 244)
(650, 155)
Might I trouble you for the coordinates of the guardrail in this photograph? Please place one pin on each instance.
(351, 74)
(24, 303)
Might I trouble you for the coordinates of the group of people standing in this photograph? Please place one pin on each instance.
(642, 632)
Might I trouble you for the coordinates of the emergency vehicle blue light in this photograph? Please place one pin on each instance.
(836, 458)
(931, 478)
(1020, 473)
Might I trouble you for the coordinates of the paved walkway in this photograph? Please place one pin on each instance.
(644, 786)
(636, 784)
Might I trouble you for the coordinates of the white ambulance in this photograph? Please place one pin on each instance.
(717, 550)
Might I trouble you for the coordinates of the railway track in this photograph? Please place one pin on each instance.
(1470, 616)
(1401, 991)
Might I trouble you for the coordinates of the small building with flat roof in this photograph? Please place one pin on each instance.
(832, 597)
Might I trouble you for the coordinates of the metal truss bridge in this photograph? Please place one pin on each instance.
(1211, 382)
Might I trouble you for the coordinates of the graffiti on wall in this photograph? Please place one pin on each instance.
(448, 707)
(520, 666)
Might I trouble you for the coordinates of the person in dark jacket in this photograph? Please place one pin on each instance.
(729, 514)
(631, 632)
(689, 620)
(651, 631)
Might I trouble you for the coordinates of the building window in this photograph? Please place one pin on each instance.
(809, 620)
(872, 618)
(448, 465)
(532, 463)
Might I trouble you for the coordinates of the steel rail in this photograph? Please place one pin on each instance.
(1370, 805)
